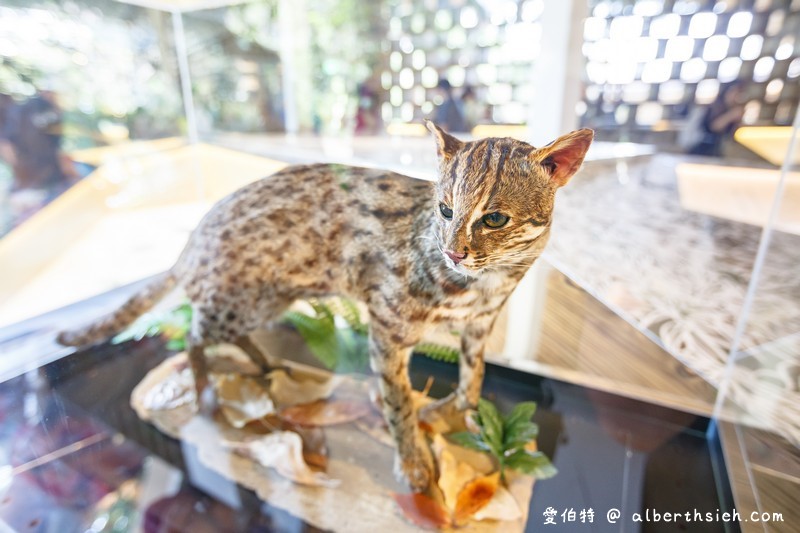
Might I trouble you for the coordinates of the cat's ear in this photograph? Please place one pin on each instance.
(563, 157)
(446, 144)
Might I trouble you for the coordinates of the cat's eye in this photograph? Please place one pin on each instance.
(446, 211)
(495, 220)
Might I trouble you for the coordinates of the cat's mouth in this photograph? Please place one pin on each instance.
(462, 267)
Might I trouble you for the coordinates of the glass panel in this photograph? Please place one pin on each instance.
(89, 102)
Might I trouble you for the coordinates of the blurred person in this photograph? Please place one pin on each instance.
(474, 111)
(368, 112)
(716, 125)
(449, 114)
(31, 145)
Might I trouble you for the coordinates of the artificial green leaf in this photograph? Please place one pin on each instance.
(319, 334)
(522, 412)
(491, 424)
(523, 433)
(177, 345)
(469, 440)
(438, 352)
(532, 463)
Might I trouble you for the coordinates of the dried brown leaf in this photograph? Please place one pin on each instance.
(325, 413)
(502, 506)
(475, 496)
(283, 451)
(242, 399)
(422, 510)
(453, 475)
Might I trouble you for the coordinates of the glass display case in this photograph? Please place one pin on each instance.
(658, 329)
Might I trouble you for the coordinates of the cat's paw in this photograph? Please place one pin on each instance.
(416, 470)
(445, 414)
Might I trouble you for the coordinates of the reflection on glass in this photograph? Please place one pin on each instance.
(784, 112)
(523, 42)
(429, 77)
(406, 45)
(775, 22)
(751, 112)
(499, 93)
(686, 7)
(739, 24)
(396, 96)
(636, 92)
(419, 95)
(456, 38)
(602, 10)
(456, 75)
(716, 48)
(443, 20)
(647, 8)
(751, 47)
(671, 92)
(532, 10)
(487, 74)
(621, 72)
(418, 23)
(418, 59)
(763, 69)
(649, 113)
(396, 61)
(395, 28)
(794, 68)
(693, 70)
(468, 17)
(626, 27)
(679, 48)
(622, 114)
(665, 26)
(729, 69)
(657, 71)
(600, 51)
(407, 112)
(773, 91)
(785, 49)
(707, 91)
(597, 72)
(594, 29)
(645, 49)
(406, 78)
(702, 25)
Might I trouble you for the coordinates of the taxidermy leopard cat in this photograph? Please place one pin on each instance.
(416, 253)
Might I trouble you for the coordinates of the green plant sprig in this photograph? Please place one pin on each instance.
(505, 438)
(341, 347)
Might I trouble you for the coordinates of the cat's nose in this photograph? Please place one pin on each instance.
(455, 256)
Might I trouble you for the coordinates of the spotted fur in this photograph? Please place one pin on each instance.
(380, 237)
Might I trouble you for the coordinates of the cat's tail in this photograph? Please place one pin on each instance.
(116, 321)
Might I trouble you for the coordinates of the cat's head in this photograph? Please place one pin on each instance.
(494, 197)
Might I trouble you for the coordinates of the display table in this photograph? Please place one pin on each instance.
(770, 142)
(78, 455)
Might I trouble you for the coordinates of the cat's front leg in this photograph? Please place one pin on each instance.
(471, 369)
(389, 360)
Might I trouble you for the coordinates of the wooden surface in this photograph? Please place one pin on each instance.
(582, 341)
(770, 142)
